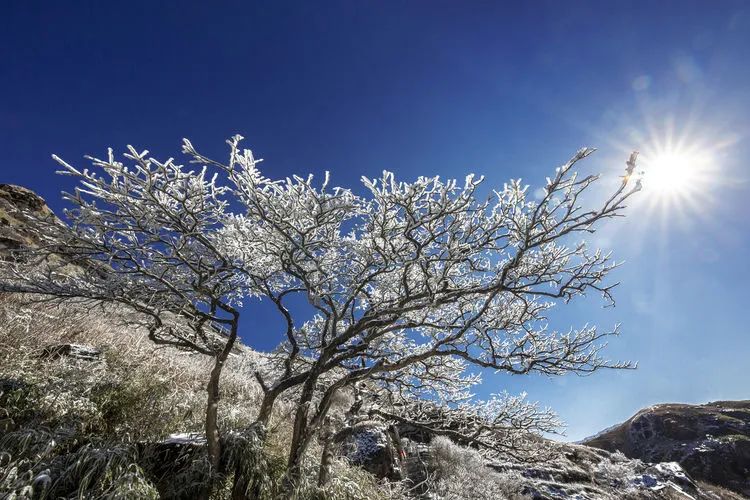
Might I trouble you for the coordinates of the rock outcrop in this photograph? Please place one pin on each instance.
(18, 207)
(579, 472)
(567, 471)
(372, 446)
(711, 442)
(19, 197)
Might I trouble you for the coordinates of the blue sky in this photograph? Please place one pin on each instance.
(422, 88)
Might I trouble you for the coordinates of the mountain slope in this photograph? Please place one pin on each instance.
(710, 441)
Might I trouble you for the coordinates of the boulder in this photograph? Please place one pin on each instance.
(372, 446)
(174, 465)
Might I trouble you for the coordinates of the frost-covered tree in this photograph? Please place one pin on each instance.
(414, 283)
(144, 235)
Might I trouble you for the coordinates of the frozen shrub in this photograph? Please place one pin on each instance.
(615, 470)
(460, 473)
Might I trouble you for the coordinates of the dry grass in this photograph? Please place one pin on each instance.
(461, 474)
(158, 391)
(72, 428)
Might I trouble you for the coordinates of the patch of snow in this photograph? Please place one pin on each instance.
(706, 445)
(671, 468)
(186, 438)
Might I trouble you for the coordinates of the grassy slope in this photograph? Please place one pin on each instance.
(85, 423)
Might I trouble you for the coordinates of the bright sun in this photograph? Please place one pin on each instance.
(671, 173)
(679, 181)
(676, 173)
(681, 172)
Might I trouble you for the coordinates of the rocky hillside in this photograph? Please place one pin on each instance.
(18, 207)
(90, 409)
(711, 441)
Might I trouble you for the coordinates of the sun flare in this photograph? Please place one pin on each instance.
(677, 173)
(672, 172)
(680, 179)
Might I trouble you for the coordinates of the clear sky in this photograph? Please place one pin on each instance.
(505, 89)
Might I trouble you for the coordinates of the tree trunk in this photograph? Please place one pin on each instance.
(325, 464)
(266, 407)
(326, 458)
(213, 434)
(305, 428)
(298, 446)
(213, 438)
(300, 435)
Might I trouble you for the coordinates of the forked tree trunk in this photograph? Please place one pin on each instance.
(306, 428)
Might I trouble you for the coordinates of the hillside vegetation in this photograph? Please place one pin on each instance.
(97, 428)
